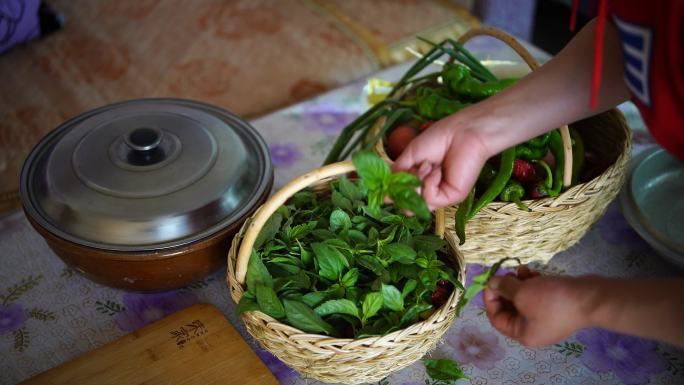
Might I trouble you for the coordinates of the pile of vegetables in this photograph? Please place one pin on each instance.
(348, 265)
(531, 170)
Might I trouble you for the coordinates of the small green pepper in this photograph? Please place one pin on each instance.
(539, 141)
(460, 81)
(487, 175)
(495, 188)
(529, 153)
(556, 145)
(434, 106)
(577, 155)
(462, 216)
(513, 192)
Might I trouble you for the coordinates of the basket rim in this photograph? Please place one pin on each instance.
(237, 290)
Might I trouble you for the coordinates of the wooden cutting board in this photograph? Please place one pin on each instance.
(196, 346)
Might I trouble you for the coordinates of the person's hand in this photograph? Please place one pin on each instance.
(448, 156)
(535, 310)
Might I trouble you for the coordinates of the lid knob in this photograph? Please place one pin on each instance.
(144, 143)
(143, 138)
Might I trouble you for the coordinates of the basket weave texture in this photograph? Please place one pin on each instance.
(343, 360)
(554, 224)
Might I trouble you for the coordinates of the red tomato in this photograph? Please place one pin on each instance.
(399, 139)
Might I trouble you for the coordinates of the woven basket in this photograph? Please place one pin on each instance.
(553, 224)
(321, 357)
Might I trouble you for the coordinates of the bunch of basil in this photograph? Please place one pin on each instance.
(347, 265)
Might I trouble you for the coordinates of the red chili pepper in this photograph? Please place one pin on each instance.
(425, 125)
(523, 171)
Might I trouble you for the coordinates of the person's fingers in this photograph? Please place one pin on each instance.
(510, 324)
(427, 147)
(461, 167)
(505, 286)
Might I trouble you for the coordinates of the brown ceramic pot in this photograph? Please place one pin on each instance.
(147, 194)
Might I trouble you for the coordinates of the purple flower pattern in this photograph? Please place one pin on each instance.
(284, 154)
(143, 309)
(330, 119)
(473, 346)
(633, 360)
(12, 317)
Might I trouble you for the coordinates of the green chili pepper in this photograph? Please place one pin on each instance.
(529, 153)
(502, 177)
(432, 105)
(539, 141)
(486, 177)
(460, 81)
(548, 181)
(513, 192)
(577, 155)
(556, 145)
(462, 216)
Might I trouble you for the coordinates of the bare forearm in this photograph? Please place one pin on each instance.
(651, 308)
(556, 94)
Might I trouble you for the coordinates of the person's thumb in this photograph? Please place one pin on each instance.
(506, 286)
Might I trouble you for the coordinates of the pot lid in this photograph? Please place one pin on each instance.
(146, 174)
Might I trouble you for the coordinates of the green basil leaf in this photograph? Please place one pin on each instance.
(349, 189)
(349, 279)
(444, 370)
(392, 219)
(411, 315)
(270, 229)
(409, 199)
(352, 294)
(304, 318)
(401, 253)
(371, 263)
(257, 273)
(391, 298)
(358, 237)
(304, 198)
(323, 234)
(422, 262)
(340, 201)
(305, 255)
(339, 220)
(479, 283)
(373, 236)
(313, 298)
(428, 243)
(374, 172)
(302, 230)
(246, 304)
(405, 180)
(409, 287)
(337, 306)
(331, 263)
(375, 200)
(268, 301)
(371, 305)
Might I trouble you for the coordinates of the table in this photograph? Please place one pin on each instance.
(50, 314)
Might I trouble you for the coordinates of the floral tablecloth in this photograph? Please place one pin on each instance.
(49, 314)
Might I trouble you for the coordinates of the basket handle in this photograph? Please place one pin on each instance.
(280, 197)
(533, 64)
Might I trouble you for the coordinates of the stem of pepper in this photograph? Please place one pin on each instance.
(549, 175)
(462, 216)
(520, 205)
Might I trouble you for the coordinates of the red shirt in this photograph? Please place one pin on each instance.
(652, 34)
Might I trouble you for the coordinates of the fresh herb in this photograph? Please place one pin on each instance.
(480, 283)
(444, 370)
(348, 264)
